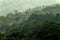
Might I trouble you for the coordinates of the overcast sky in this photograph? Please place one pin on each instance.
(9, 5)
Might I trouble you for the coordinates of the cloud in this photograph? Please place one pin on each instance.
(9, 5)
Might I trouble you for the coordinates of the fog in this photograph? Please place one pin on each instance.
(10, 5)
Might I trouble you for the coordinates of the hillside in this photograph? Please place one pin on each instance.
(32, 24)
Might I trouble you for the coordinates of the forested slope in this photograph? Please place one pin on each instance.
(32, 24)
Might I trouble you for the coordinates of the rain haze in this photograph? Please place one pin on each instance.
(10, 5)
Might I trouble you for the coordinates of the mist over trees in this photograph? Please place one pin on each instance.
(32, 24)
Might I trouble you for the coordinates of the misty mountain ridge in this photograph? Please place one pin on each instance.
(19, 17)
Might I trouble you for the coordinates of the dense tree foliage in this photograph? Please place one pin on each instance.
(32, 24)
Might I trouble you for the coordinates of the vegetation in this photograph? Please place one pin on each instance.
(32, 24)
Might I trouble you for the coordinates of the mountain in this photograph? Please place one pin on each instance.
(15, 18)
(38, 23)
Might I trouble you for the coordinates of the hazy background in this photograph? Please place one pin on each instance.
(10, 5)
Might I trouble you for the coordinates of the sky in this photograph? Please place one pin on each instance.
(10, 5)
